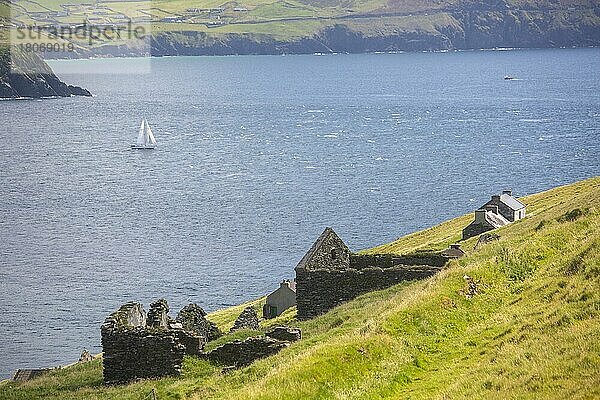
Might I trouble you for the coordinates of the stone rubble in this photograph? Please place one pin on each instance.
(241, 353)
(285, 334)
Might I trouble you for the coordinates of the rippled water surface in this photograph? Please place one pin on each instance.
(256, 156)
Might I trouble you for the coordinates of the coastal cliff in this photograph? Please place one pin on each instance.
(458, 28)
(462, 30)
(25, 74)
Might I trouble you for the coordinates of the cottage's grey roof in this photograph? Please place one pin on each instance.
(315, 247)
(511, 202)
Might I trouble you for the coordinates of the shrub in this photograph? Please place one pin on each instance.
(541, 225)
(572, 215)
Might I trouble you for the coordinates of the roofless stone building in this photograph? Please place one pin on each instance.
(330, 274)
(140, 345)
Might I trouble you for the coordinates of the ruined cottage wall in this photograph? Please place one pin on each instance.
(128, 315)
(132, 351)
(137, 354)
(474, 229)
(318, 291)
(192, 342)
(245, 352)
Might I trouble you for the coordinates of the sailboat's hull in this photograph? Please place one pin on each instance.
(141, 147)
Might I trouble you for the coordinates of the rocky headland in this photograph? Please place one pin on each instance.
(26, 75)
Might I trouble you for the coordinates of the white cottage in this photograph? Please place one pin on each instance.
(280, 300)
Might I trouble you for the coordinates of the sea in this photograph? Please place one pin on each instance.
(256, 155)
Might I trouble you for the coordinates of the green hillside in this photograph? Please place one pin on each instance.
(214, 27)
(531, 330)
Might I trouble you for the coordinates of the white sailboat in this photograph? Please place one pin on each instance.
(145, 139)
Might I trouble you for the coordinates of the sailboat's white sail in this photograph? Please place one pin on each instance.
(145, 139)
(141, 135)
(151, 139)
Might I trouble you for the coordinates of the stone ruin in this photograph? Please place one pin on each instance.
(485, 239)
(330, 274)
(285, 334)
(85, 356)
(248, 319)
(193, 318)
(137, 345)
(240, 353)
(158, 315)
(133, 350)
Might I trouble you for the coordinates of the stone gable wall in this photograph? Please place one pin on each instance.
(193, 319)
(322, 257)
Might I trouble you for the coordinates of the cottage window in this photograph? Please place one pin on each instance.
(333, 254)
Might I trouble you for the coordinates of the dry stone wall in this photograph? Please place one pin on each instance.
(191, 341)
(319, 291)
(134, 351)
(193, 319)
(361, 261)
(248, 319)
(240, 353)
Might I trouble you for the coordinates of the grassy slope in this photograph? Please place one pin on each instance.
(534, 331)
(410, 15)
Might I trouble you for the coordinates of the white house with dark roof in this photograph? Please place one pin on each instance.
(280, 300)
(501, 210)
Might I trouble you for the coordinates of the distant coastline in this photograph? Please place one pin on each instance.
(132, 56)
(456, 30)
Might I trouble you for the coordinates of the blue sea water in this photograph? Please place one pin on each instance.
(256, 156)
